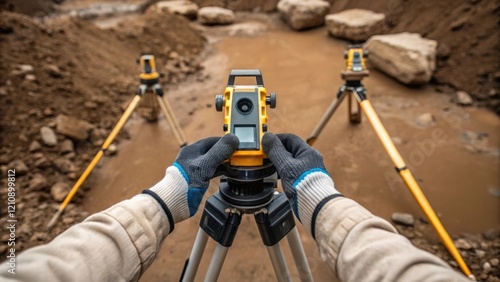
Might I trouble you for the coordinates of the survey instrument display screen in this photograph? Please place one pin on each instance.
(247, 136)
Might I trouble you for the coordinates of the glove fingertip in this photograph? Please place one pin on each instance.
(232, 140)
(269, 140)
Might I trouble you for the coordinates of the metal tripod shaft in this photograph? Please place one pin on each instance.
(172, 121)
(299, 256)
(327, 115)
(193, 262)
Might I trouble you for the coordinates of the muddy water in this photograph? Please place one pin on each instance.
(303, 69)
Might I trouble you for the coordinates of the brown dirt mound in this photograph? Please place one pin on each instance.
(49, 70)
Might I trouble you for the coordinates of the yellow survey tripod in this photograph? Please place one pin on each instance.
(149, 79)
(354, 89)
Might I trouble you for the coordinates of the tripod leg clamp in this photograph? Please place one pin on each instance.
(219, 224)
(276, 221)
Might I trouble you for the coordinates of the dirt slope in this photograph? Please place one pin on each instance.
(72, 67)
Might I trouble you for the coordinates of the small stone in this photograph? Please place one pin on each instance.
(397, 140)
(38, 182)
(67, 146)
(486, 267)
(463, 244)
(48, 112)
(74, 128)
(53, 71)
(480, 253)
(3, 91)
(72, 175)
(42, 163)
(26, 68)
(30, 77)
(49, 138)
(215, 16)
(494, 261)
(425, 120)
(58, 191)
(64, 165)
(19, 166)
(112, 150)
(90, 105)
(491, 234)
(35, 146)
(4, 159)
(483, 277)
(403, 218)
(463, 98)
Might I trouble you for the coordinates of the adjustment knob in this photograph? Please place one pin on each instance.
(219, 102)
(271, 100)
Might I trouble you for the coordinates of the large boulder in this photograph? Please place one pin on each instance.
(405, 56)
(185, 8)
(215, 16)
(299, 14)
(355, 24)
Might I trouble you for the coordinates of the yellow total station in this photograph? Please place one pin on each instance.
(355, 63)
(148, 68)
(245, 115)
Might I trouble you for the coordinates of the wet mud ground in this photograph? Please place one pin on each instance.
(304, 70)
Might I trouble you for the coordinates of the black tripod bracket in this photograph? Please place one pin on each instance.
(221, 221)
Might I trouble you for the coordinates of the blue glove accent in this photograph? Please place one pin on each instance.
(184, 174)
(296, 183)
(195, 195)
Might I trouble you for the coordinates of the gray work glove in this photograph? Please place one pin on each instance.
(303, 175)
(181, 190)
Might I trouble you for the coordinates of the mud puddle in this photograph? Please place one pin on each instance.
(303, 69)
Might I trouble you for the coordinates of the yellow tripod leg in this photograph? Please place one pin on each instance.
(172, 121)
(408, 178)
(95, 160)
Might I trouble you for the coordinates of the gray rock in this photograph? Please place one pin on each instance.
(491, 234)
(74, 128)
(58, 191)
(403, 218)
(19, 166)
(215, 16)
(38, 182)
(67, 146)
(463, 244)
(64, 165)
(49, 138)
(463, 98)
(480, 253)
(494, 261)
(300, 14)
(355, 24)
(425, 120)
(405, 56)
(486, 267)
(184, 8)
(35, 146)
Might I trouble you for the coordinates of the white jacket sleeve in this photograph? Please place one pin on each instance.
(118, 244)
(359, 246)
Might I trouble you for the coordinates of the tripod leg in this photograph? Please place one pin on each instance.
(299, 255)
(410, 181)
(95, 160)
(354, 110)
(174, 124)
(194, 259)
(326, 116)
(216, 263)
(278, 262)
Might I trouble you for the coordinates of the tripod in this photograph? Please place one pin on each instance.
(247, 191)
(354, 89)
(149, 79)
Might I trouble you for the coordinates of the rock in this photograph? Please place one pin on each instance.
(184, 8)
(403, 218)
(4, 159)
(443, 50)
(34, 146)
(355, 24)
(215, 16)
(463, 98)
(425, 120)
(30, 77)
(480, 253)
(64, 165)
(112, 150)
(19, 166)
(22, 70)
(491, 234)
(300, 14)
(42, 162)
(66, 146)
(463, 244)
(486, 267)
(53, 71)
(58, 191)
(74, 128)
(38, 182)
(494, 261)
(397, 140)
(3, 91)
(405, 56)
(48, 112)
(49, 138)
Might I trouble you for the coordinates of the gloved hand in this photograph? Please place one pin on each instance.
(303, 175)
(181, 190)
